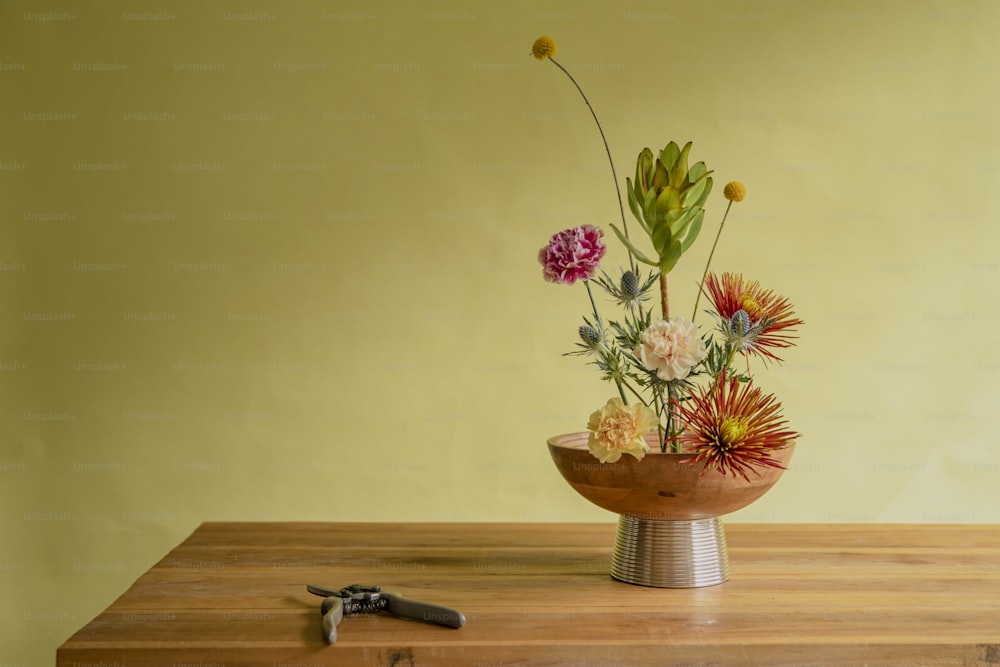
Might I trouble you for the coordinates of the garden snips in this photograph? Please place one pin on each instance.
(360, 599)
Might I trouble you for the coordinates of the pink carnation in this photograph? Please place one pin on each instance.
(572, 254)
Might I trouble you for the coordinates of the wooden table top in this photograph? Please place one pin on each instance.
(234, 594)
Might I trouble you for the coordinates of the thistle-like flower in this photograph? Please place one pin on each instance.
(733, 427)
(740, 331)
(629, 290)
(739, 324)
(590, 336)
(772, 320)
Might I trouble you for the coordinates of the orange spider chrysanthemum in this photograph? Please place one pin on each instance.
(733, 427)
(769, 315)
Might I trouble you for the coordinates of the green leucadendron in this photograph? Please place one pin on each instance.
(667, 198)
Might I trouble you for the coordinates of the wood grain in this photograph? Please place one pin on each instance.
(234, 594)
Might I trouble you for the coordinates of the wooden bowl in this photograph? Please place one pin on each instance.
(660, 487)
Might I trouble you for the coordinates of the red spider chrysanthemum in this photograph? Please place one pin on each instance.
(770, 312)
(733, 427)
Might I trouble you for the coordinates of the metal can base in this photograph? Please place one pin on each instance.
(670, 554)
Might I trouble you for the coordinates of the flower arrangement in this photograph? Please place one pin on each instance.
(670, 377)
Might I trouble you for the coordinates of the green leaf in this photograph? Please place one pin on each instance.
(669, 155)
(681, 230)
(696, 172)
(704, 195)
(669, 259)
(635, 251)
(693, 192)
(669, 200)
(705, 174)
(681, 221)
(647, 207)
(661, 237)
(633, 204)
(643, 170)
(680, 171)
(661, 178)
(693, 230)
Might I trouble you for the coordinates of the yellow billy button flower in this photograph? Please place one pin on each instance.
(544, 47)
(735, 191)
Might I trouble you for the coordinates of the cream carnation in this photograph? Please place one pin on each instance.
(618, 429)
(671, 348)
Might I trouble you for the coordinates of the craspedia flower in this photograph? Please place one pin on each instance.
(772, 320)
(572, 254)
(544, 47)
(733, 427)
(618, 429)
(734, 191)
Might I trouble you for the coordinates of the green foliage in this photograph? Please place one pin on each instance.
(667, 198)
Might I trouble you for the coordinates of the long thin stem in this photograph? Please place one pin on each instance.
(659, 422)
(621, 392)
(732, 350)
(668, 406)
(614, 175)
(593, 306)
(600, 325)
(704, 275)
(668, 410)
(635, 392)
(674, 445)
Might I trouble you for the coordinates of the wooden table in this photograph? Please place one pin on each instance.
(234, 594)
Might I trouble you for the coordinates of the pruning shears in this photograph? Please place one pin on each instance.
(361, 599)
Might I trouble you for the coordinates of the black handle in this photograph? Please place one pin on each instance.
(422, 611)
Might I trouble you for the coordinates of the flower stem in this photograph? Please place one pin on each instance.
(659, 424)
(621, 392)
(732, 349)
(634, 392)
(614, 175)
(701, 286)
(664, 301)
(593, 306)
(600, 326)
(666, 405)
(674, 445)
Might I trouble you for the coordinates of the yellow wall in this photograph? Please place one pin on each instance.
(276, 261)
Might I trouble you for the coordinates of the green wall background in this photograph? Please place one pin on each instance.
(276, 261)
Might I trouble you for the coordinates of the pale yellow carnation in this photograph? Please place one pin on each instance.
(618, 429)
(671, 348)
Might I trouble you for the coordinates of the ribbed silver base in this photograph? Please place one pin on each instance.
(670, 554)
